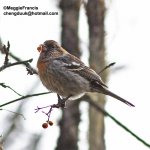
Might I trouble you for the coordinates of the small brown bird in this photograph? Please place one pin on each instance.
(67, 75)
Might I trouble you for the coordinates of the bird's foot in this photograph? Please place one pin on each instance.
(61, 104)
(62, 101)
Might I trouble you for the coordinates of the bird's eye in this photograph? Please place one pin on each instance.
(52, 46)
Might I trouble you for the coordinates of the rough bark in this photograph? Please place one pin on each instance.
(70, 119)
(70, 18)
(96, 14)
(1, 45)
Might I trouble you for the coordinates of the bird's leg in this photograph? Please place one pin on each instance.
(61, 104)
(62, 101)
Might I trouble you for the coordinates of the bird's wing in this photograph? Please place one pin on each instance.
(74, 64)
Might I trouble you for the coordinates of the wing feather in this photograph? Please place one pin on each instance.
(74, 64)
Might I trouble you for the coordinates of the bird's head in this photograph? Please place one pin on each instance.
(48, 46)
(51, 49)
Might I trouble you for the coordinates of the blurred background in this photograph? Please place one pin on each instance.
(99, 32)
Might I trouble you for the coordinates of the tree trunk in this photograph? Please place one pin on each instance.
(96, 14)
(1, 45)
(70, 119)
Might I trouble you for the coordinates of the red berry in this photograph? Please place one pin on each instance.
(50, 123)
(45, 125)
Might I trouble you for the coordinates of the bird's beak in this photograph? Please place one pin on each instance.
(41, 48)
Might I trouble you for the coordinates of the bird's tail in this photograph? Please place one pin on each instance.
(107, 92)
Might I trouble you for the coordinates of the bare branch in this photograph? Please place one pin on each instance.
(29, 68)
(14, 64)
(61, 104)
(5, 50)
(100, 109)
(23, 97)
(108, 66)
(18, 114)
(6, 86)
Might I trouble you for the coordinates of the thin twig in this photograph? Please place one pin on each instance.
(6, 86)
(48, 114)
(15, 113)
(6, 51)
(29, 68)
(26, 62)
(100, 109)
(106, 67)
(61, 104)
(23, 97)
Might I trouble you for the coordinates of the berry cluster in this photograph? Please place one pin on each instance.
(45, 125)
